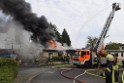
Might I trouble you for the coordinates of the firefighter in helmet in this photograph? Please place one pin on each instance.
(112, 70)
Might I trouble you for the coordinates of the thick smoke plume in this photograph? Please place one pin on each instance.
(21, 12)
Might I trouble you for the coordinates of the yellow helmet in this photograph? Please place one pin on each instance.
(110, 57)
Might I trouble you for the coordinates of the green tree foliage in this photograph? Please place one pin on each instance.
(113, 46)
(91, 42)
(58, 36)
(55, 33)
(66, 38)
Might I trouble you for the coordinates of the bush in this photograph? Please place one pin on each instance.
(57, 58)
(8, 70)
(8, 62)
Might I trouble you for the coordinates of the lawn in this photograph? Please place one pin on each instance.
(8, 70)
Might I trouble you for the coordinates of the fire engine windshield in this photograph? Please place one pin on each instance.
(83, 53)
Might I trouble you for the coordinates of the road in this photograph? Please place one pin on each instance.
(51, 76)
(54, 76)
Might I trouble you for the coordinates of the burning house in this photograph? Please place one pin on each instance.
(21, 12)
(37, 29)
(55, 52)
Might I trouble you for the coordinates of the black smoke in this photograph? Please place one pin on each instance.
(21, 11)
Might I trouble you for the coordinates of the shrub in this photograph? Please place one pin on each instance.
(57, 58)
(8, 62)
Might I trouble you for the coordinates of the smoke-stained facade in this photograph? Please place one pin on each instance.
(22, 12)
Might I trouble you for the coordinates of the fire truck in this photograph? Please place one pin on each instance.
(82, 57)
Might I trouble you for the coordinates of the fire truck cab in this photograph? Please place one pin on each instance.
(81, 57)
(86, 58)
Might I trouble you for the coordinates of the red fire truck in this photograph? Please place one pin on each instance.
(90, 57)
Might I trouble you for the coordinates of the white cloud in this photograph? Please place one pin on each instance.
(81, 18)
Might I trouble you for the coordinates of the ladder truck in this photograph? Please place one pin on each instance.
(82, 57)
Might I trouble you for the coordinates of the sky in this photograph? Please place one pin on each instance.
(82, 18)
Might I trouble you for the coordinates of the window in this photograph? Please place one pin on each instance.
(83, 53)
(88, 53)
(122, 48)
(121, 54)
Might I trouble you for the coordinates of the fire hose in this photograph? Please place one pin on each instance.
(75, 78)
(70, 77)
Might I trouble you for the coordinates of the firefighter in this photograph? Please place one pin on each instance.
(123, 63)
(122, 78)
(112, 70)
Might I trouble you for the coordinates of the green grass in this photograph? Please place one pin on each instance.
(8, 70)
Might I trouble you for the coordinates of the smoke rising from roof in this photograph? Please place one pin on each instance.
(18, 39)
(21, 12)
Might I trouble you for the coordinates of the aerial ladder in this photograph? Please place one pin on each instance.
(99, 44)
(83, 57)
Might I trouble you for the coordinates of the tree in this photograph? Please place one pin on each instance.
(91, 42)
(55, 33)
(113, 46)
(58, 36)
(65, 38)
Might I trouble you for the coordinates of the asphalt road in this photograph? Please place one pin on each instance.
(54, 76)
(51, 76)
